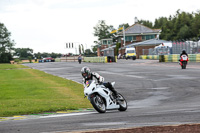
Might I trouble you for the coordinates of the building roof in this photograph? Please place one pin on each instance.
(139, 29)
(151, 42)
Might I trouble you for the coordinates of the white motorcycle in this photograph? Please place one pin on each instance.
(102, 98)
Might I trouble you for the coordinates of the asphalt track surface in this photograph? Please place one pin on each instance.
(157, 94)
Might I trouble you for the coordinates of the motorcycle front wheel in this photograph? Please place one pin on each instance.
(98, 103)
(122, 103)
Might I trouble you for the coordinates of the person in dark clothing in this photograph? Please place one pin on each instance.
(79, 59)
(88, 75)
(183, 53)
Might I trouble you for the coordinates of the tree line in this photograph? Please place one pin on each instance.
(180, 27)
(6, 44)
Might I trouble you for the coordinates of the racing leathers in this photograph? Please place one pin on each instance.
(100, 79)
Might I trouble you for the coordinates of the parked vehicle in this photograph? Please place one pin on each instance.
(130, 53)
(102, 98)
(48, 59)
(183, 61)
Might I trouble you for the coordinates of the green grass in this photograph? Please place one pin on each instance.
(30, 91)
(13, 66)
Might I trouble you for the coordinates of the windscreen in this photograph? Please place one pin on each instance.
(88, 82)
(130, 51)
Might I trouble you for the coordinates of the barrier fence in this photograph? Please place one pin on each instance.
(171, 58)
(191, 47)
(96, 59)
(151, 57)
(100, 59)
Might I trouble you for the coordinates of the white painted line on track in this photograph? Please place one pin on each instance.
(70, 114)
(133, 76)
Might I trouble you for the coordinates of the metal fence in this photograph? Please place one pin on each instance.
(191, 47)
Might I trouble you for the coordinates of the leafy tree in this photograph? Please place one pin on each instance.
(30, 59)
(181, 26)
(82, 48)
(23, 52)
(160, 22)
(79, 49)
(55, 55)
(196, 24)
(89, 53)
(102, 31)
(94, 48)
(184, 32)
(125, 26)
(118, 45)
(146, 23)
(44, 55)
(6, 44)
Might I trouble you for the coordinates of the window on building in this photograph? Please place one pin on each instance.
(104, 42)
(129, 38)
(134, 38)
(147, 37)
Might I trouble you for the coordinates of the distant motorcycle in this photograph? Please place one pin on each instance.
(183, 61)
(102, 98)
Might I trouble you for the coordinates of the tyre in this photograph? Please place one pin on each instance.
(122, 103)
(98, 103)
(184, 65)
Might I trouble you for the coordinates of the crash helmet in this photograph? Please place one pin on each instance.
(183, 51)
(86, 73)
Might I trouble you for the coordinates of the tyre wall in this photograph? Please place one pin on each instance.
(96, 59)
(171, 58)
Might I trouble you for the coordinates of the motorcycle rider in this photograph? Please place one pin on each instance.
(183, 53)
(88, 75)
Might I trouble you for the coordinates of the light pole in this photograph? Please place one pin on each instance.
(124, 35)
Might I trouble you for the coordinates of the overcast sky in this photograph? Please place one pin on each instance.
(47, 25)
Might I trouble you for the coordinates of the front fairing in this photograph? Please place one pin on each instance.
(90, 87)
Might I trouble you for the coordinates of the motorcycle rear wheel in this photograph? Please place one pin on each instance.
(98, 103)
(122, 103)
(184, 65)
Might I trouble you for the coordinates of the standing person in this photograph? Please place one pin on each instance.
(79, 59)
(119, 56)
(88, 75)
(124, 57)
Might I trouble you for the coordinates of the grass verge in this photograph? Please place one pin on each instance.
(30, 91)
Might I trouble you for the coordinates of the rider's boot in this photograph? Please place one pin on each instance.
(113, 90)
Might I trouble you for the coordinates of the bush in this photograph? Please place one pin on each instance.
(5, 58)
(17, 60)
(30, 59)
(161, 58)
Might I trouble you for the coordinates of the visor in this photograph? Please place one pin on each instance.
(84, 74)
